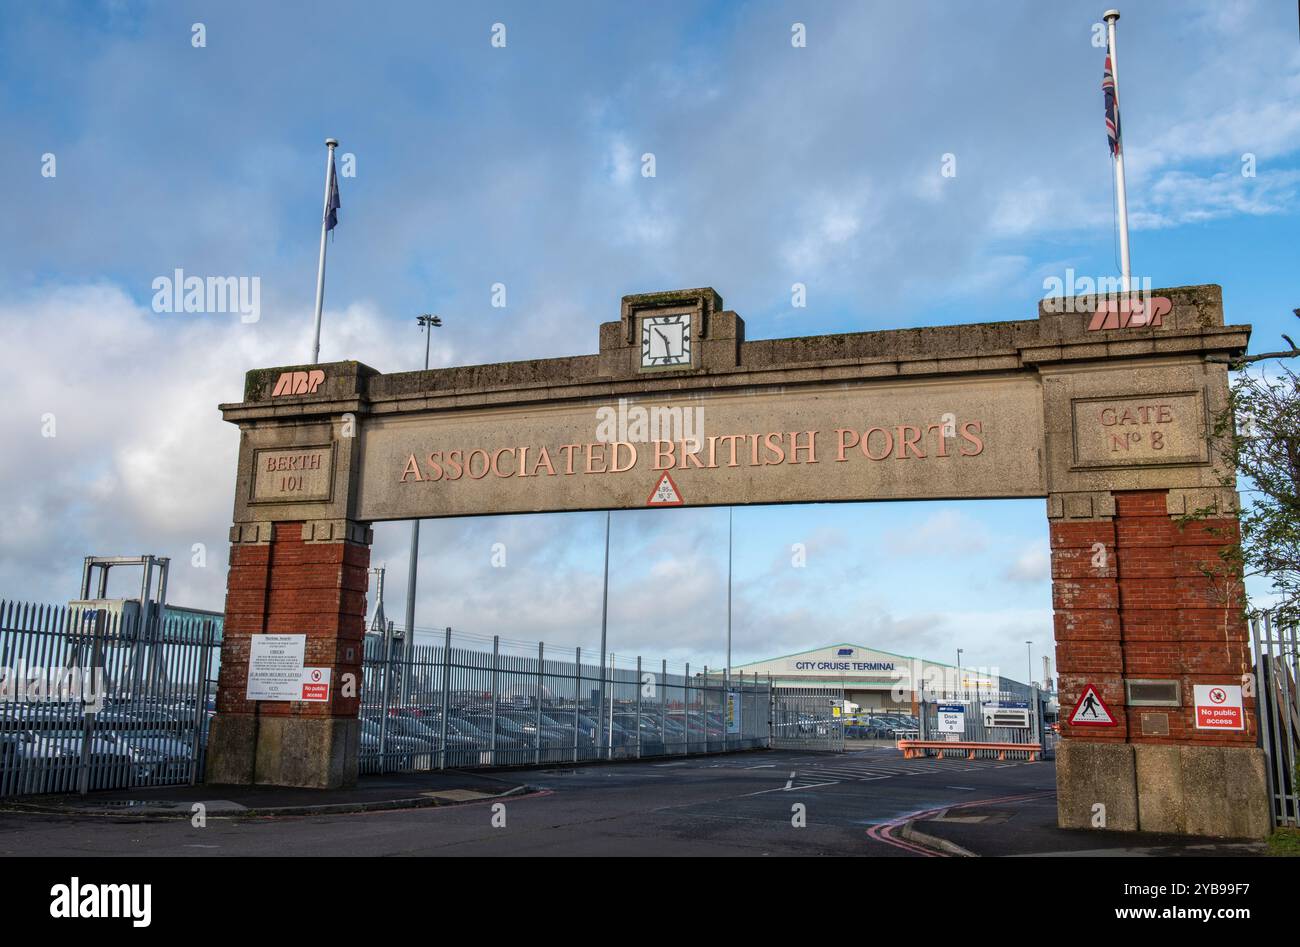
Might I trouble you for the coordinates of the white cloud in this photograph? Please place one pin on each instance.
(1033, 565)
(946, 532)
(1183, 197)
(141, 460)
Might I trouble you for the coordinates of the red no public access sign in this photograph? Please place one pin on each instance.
(315, 684)
(1218, 707)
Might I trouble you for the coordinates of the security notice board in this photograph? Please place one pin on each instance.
(275, 667)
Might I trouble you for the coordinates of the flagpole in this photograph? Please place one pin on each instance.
(1121, 197)
(330, 145)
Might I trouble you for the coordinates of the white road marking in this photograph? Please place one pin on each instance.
(790, 788)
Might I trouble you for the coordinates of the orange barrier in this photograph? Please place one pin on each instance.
(912, 749)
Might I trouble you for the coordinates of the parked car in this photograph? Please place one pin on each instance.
(402, 750)
(424, 731)
(154, 755)
(42, 755)
(617, 734)
(468, 725)
(552, 733)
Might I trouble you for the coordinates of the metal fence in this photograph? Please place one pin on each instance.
(471, 702)
(808, 718)
(1277, 671)
(979, 715)
(92, 700)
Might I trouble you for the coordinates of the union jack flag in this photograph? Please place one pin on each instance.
(1112, 108)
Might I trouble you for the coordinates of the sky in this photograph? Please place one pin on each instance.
(521, 164)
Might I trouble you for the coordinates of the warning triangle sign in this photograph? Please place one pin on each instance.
(1091, 711)
(665, 493)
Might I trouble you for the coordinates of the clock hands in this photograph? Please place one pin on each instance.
(650, 329)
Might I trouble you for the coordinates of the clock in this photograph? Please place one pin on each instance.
(666, 341)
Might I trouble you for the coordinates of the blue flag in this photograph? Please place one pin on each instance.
(332, 208)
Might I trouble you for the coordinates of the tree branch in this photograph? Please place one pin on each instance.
(1263, 355)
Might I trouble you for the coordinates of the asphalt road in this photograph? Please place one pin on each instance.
(743, 804)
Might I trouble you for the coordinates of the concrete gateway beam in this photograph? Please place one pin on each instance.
(943, 412)
(1100, 405)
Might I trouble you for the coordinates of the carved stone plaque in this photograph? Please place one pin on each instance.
(293, 475)
(1139, 431)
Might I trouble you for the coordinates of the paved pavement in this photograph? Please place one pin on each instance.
(1028, 827)
(740, 804)
(856, 803)
(396, 790)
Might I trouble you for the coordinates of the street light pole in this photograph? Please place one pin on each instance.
(729, 535)
(604, 639)
(955, 683)
(427, 324)
(1029, 653)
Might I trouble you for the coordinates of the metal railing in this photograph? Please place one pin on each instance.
(1277, 672)
(808, 718)
(92, 700)
(470, 702)
(974, 729)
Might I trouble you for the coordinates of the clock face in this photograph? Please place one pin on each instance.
(665, 341)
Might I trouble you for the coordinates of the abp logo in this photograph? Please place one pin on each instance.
(1131, 312)
(298, 383)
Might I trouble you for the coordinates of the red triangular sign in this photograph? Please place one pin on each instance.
(665, 493)
(1091, 711)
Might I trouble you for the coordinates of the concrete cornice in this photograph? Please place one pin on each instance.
(1193, 329)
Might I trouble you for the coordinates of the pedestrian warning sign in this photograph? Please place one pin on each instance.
(665, 493)
(1091, 711)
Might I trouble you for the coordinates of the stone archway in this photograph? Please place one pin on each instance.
(1100, 408)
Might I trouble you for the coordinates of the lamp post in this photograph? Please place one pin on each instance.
(427, 324)
(604, 641)
(955, 683)
(727, 676)
(1029, 654)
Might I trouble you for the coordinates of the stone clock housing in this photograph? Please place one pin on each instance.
(683, 331)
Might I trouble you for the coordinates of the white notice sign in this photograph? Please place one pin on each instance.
(275, 666)
(952, 718)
